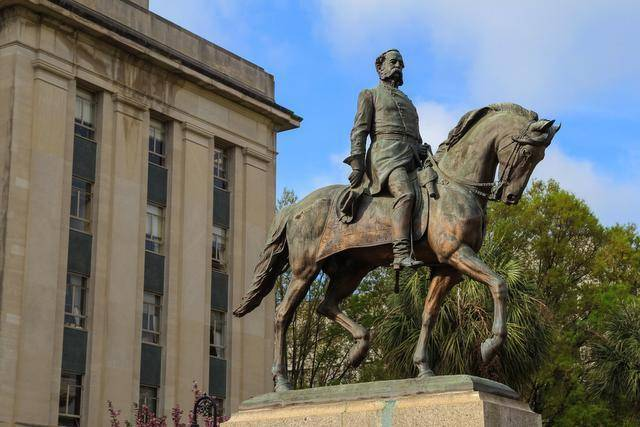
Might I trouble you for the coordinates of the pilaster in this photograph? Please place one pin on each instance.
(46, 239)
(125, 269)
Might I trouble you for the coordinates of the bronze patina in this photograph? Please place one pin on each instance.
(448, 239)
(389, 118)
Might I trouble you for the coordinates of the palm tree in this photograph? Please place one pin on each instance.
(613, 358)
(465, 320)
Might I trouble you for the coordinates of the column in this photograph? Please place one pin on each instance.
(45, 251)
(125, 266)
(193, 288)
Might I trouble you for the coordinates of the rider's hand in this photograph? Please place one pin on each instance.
(423, 150)
(355, 177)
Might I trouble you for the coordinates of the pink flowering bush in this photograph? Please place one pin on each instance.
(144, 417)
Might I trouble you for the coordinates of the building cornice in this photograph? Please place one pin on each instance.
(197, 135)
(203, 74)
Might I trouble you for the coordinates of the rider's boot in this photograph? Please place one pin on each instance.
(402, 257)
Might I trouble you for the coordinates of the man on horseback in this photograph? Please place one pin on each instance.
(389, 118)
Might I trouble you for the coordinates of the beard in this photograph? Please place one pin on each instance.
(393, 74)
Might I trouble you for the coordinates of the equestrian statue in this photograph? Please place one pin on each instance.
(404, 207)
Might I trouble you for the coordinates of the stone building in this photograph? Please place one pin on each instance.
(138, 182)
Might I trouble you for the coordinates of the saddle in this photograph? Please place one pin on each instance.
(371, 223)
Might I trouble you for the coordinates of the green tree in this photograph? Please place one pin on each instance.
(569, 277)
(582, 271)
(465, 320)
(613, 360)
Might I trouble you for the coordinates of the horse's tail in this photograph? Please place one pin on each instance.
(274, 260)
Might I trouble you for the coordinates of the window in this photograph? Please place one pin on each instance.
(217, 333)
(155, 225)
(149, 397)
(75, 313)
(80, 213)
(151, 310)
(219, 405)
(218, 246)
(157, 154)
(85, 115)
(220, 169)
(70, 397)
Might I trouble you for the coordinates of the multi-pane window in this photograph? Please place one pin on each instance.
(220, 405)
(151, 311)
(70, 397)
(220, 169)
(217, 333)
(157, 154)
(85, 119)
(149, 397)
(80, 213)
(75, 311)
(218, 246)
(155, 225)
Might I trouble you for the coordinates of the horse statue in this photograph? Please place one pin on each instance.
(448, 232)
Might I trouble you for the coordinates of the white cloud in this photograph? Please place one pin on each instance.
(436, 120)
(335, 172)
(545, 53)
(611, 200)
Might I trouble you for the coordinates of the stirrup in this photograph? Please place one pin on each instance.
(407, 261)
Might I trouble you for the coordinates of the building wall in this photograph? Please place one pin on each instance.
(45, 54)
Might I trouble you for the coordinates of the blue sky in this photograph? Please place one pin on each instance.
(573, 61)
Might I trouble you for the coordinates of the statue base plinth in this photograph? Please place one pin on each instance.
(457, 400)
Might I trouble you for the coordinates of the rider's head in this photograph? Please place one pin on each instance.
(389, 66)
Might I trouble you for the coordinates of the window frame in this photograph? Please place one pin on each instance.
(79, 388)
(152, 336)
(220, 169)
(83, 129)
(81, 318)
(154, 399)
(74, 217)
(154, 243)
(218, 262)
(217, 350)
(154, 127)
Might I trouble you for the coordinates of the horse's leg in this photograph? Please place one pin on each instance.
(341, 285)
(443, 279)
(296, 291)
(467, 261)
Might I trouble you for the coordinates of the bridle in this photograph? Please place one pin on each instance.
(515, 158)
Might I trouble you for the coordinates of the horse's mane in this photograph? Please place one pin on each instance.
(469, 119)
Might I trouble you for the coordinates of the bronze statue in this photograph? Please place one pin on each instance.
(448, 231)
(389, 117)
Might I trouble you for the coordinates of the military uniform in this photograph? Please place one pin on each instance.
(389, 117)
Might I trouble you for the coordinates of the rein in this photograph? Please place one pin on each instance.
(470, 185)
(494, 186)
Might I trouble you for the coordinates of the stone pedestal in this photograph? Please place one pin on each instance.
(458, 400)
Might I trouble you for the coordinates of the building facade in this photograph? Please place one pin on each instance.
(138, 183)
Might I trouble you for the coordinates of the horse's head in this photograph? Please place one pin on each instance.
(518, 155)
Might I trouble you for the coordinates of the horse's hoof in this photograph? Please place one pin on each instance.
(358, 352)
(489, 348)
(425, 373)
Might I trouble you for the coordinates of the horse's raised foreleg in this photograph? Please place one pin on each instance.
(467, 261)
(443, 279)
(341, 285)
(296, 291)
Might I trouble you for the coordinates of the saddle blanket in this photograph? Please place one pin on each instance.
(371, 225)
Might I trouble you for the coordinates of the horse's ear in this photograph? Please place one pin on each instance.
(542, 126)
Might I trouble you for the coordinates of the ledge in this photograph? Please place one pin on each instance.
(204, 70)
(380, 389)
